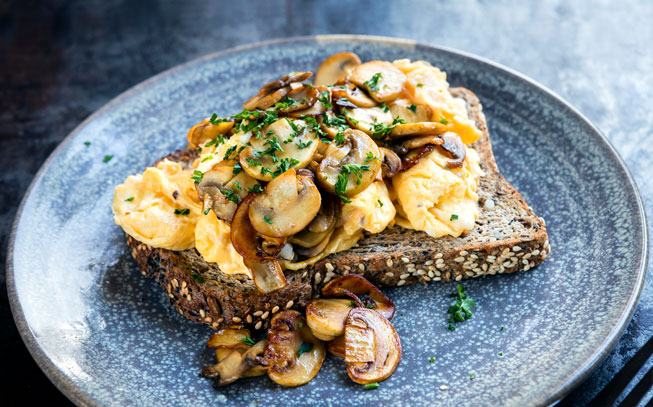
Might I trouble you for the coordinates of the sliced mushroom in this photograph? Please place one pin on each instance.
(286, 143)
(372, 346)
(381, 79)
(337, 346)
(414, 156)
(326, 216)
(356, 287)
(263, 101)
(229, 338)
(267, 275)
(316, 249)
(353, 94)
(207, 130)
(221, 190)
(368, 119)
(453, 145)
(244, 237)
(239, 363)
(333, 125)
(417, 129)
(289, 336)
(391, 164)
(348, 169)
(286, 206)
(323, 104)
(335, 67)
(421, 141)
(410, 113)
(327, 317)
(286, 80)
(300, 98)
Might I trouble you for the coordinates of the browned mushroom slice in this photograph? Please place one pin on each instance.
(349, 168)
(421, 141)
(267, 275)
(381, 79)
(391, 164)
(453, 145)
(316, 249)
(208, 130)
(335, 67)
(410, 113)
(323, 104)
(372, 346)
(221, 190)
(333, 125)
(238, 363)
(286, 206)
(413, 156)
(285, 80)
(266, 100)
(356, 287)
(245, 239)
(337, 346)
(368, 119)
(229, 338)
(300, 98)
(327, 317)
(353, 94)
(294, 354)
(286, 143)
(417, 129)
(326, 217)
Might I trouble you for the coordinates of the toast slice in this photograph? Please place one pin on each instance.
(508, 237)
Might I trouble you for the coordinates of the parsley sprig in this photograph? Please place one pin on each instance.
(461, 310)
(373, 83)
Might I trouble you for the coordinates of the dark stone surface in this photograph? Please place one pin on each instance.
(60, 61)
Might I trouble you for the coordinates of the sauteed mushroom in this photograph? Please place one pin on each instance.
(286, 206)
(283, 144)
(263, 101)
(238, 363)
(294, 354)
(267, 275)
(417, 129)
(391, 164)
(381, 79)
(355, 287)
(337, 346)
(292, 77)
(327, 316)
(372, 346)
(350, 168)
(229, 339)
(454, 146)
(410, 113)
(421, 141)
(207, 130)
(322, 104)
(221, 190)
(366, 119)
(352, 94)
(335, 67)
(300, 98)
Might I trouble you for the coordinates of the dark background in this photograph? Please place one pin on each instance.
(62, 60)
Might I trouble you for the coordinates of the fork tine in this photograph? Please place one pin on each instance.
(640, 390)
(616, 386)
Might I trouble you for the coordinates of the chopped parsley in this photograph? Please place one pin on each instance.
(197, 176)
(501, 354)
(461, 310)
(237, 185)
(305, 347)
(255, 188)
(184, 211)
(369, 157)
(371, 386)
(107, 158)
(380, 203)
(207, 158)
(285, 103)
(501, 329)
(341, 187)
(237, 169)
(412, 107)
(382, 130)
(301, 145)
(453, 217)
(355, 169)
(206, 211)
(373, 83)
(267, 219)
(384, 107)
(443, 120)
(217, 120)
(471, 376)
(231, 195)
(419, 85)
(252, 162)
(248, 341)
(432, 359)
(197, 278)
(324, 99)
(87, 143)
(131, 198)
(284, 165)
(216, 141)
(228, 153)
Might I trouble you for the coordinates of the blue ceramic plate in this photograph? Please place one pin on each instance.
(107, 336)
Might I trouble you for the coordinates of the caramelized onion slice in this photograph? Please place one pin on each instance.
(327, 316)
(289, 336)
(372, 346)
(355, 287)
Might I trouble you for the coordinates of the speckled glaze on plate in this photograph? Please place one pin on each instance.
(106, 336)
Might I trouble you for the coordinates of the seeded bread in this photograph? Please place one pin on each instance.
(508, 237)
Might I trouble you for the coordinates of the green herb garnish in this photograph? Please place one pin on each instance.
(248, 341)
(371, 386)
(87, 143)
(184, 211)
(412, 107)
(197, 176)
(355, 169)
(380, 203)
(131, 198)
(267, 219)
(305, 347)
(373, 83)
(341, 187)
(432, 359)
(197, 277)
(231, 195)
(461, 310)
(255, 188)
(237, 169)
(453, 217)
(443, 120)
(107, 158)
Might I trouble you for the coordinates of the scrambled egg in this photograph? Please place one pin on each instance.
(213, 242)
(144, 206)
(429, 196)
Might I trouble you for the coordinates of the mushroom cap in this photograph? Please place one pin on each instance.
(327, 317)
(336, 67)
(381, 79)
(206, 130)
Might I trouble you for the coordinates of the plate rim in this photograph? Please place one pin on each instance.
(574, 378)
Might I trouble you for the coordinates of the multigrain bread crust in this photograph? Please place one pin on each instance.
(508, 237)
